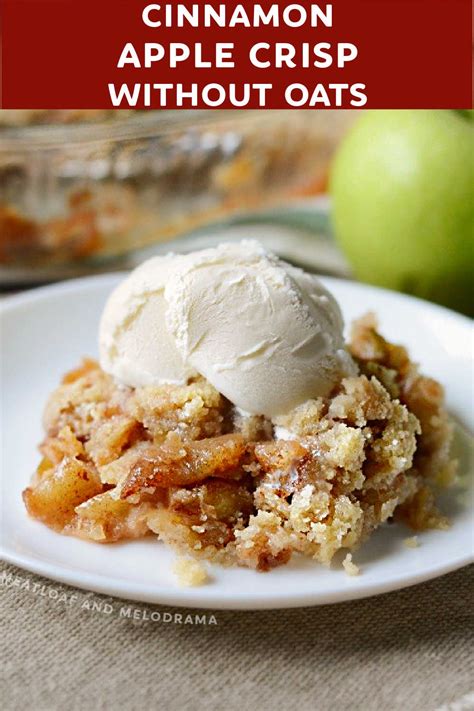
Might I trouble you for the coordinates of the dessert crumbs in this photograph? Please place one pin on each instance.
(190, 572)
(411, 542)
(349, 566)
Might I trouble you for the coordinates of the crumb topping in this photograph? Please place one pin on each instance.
(182, 463)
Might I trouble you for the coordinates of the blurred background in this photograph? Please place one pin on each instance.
(382, 196)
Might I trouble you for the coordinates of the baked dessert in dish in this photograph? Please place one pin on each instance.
(228, 417)
(81, 186)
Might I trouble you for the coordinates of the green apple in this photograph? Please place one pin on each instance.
(402, 192)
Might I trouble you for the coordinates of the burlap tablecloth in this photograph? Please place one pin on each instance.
(67, 649)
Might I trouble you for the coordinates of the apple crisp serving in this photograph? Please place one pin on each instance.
(182, 463)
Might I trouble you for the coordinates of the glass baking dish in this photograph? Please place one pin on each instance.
(81, 190)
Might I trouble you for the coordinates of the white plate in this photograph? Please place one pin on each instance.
(47, 331)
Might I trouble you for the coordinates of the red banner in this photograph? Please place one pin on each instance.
(133, 53)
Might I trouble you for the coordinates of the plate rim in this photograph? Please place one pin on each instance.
(9, 302)
(183, 597)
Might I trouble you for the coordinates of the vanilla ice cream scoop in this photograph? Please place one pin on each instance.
(134, 343)
(267, 335)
